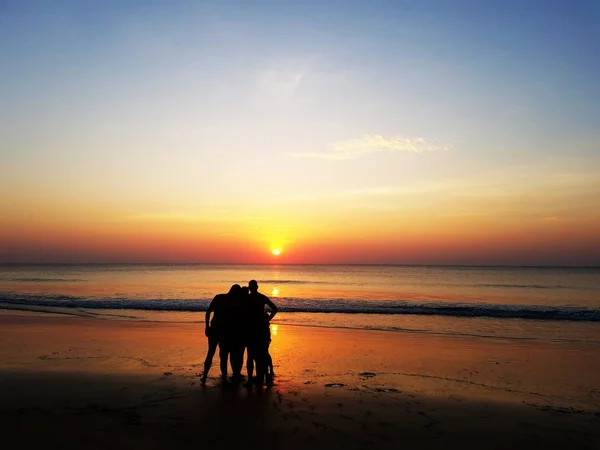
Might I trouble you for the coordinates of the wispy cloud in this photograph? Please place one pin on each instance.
(547, 193)
(280, 84)
(373, 143)
(286, 79)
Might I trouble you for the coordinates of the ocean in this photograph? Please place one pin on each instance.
(543, 303)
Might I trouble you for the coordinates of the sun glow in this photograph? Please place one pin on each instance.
(276, 252)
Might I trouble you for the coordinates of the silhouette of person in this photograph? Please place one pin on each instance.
(270, 374)
(258, 338)
(238, 333)
(218, 330)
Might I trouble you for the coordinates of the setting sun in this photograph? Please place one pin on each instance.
(276, 252)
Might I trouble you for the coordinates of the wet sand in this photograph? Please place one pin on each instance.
(70, 382)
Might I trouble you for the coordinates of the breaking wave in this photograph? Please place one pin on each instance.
(304, 305)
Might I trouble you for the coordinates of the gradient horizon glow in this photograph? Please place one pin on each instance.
(392, 132)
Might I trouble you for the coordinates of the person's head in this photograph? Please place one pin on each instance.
(235, 290)
(245, 290)
(253, 286)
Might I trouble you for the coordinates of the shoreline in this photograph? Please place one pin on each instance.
(77, 382)
(475, 266)
(113, 315)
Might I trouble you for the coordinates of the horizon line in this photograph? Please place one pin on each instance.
(579, 266)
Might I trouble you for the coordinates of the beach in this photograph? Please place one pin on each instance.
(399, 198)
(73, 382)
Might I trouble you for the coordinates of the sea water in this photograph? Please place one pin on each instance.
(550, 303)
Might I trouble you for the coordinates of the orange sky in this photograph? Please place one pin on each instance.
(409, 228)
(336, 133)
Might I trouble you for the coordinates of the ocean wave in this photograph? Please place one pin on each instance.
(527, 286)
(47, 280)
(303, 305)
(295, 282)
(287, 282)
(478, 285)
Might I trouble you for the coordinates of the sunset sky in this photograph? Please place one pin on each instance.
(410, 132)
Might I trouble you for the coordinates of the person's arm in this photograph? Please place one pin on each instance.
(209, 310)
(273, 307)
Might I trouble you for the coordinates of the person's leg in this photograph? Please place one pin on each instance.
(270, 365)
(261, 363)
(240, 360)
(237, 359)
(250, 362)
(269, 360)
(268, 369)
(223, 354)
(212, 348)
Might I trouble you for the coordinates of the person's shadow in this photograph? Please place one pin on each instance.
(233, 415)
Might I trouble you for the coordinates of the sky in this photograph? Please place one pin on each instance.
(378, 132)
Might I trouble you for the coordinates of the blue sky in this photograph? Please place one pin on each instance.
(170, 106)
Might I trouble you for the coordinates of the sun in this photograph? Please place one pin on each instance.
(276, 252)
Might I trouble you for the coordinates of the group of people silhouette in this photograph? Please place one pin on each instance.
(240, 324)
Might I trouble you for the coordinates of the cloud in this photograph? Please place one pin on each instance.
(548, 192)
(373, 143)
(286, 79)
(280, 84)
(367, 193)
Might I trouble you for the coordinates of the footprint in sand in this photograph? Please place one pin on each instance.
(279, 396)
(335, 385)
(386, 390)
(367, 374)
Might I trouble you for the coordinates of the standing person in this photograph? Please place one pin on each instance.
(270, 374)
(258, 344)
(238, 333)
(218, 330)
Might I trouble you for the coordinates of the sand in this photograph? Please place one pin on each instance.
(69, 382)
